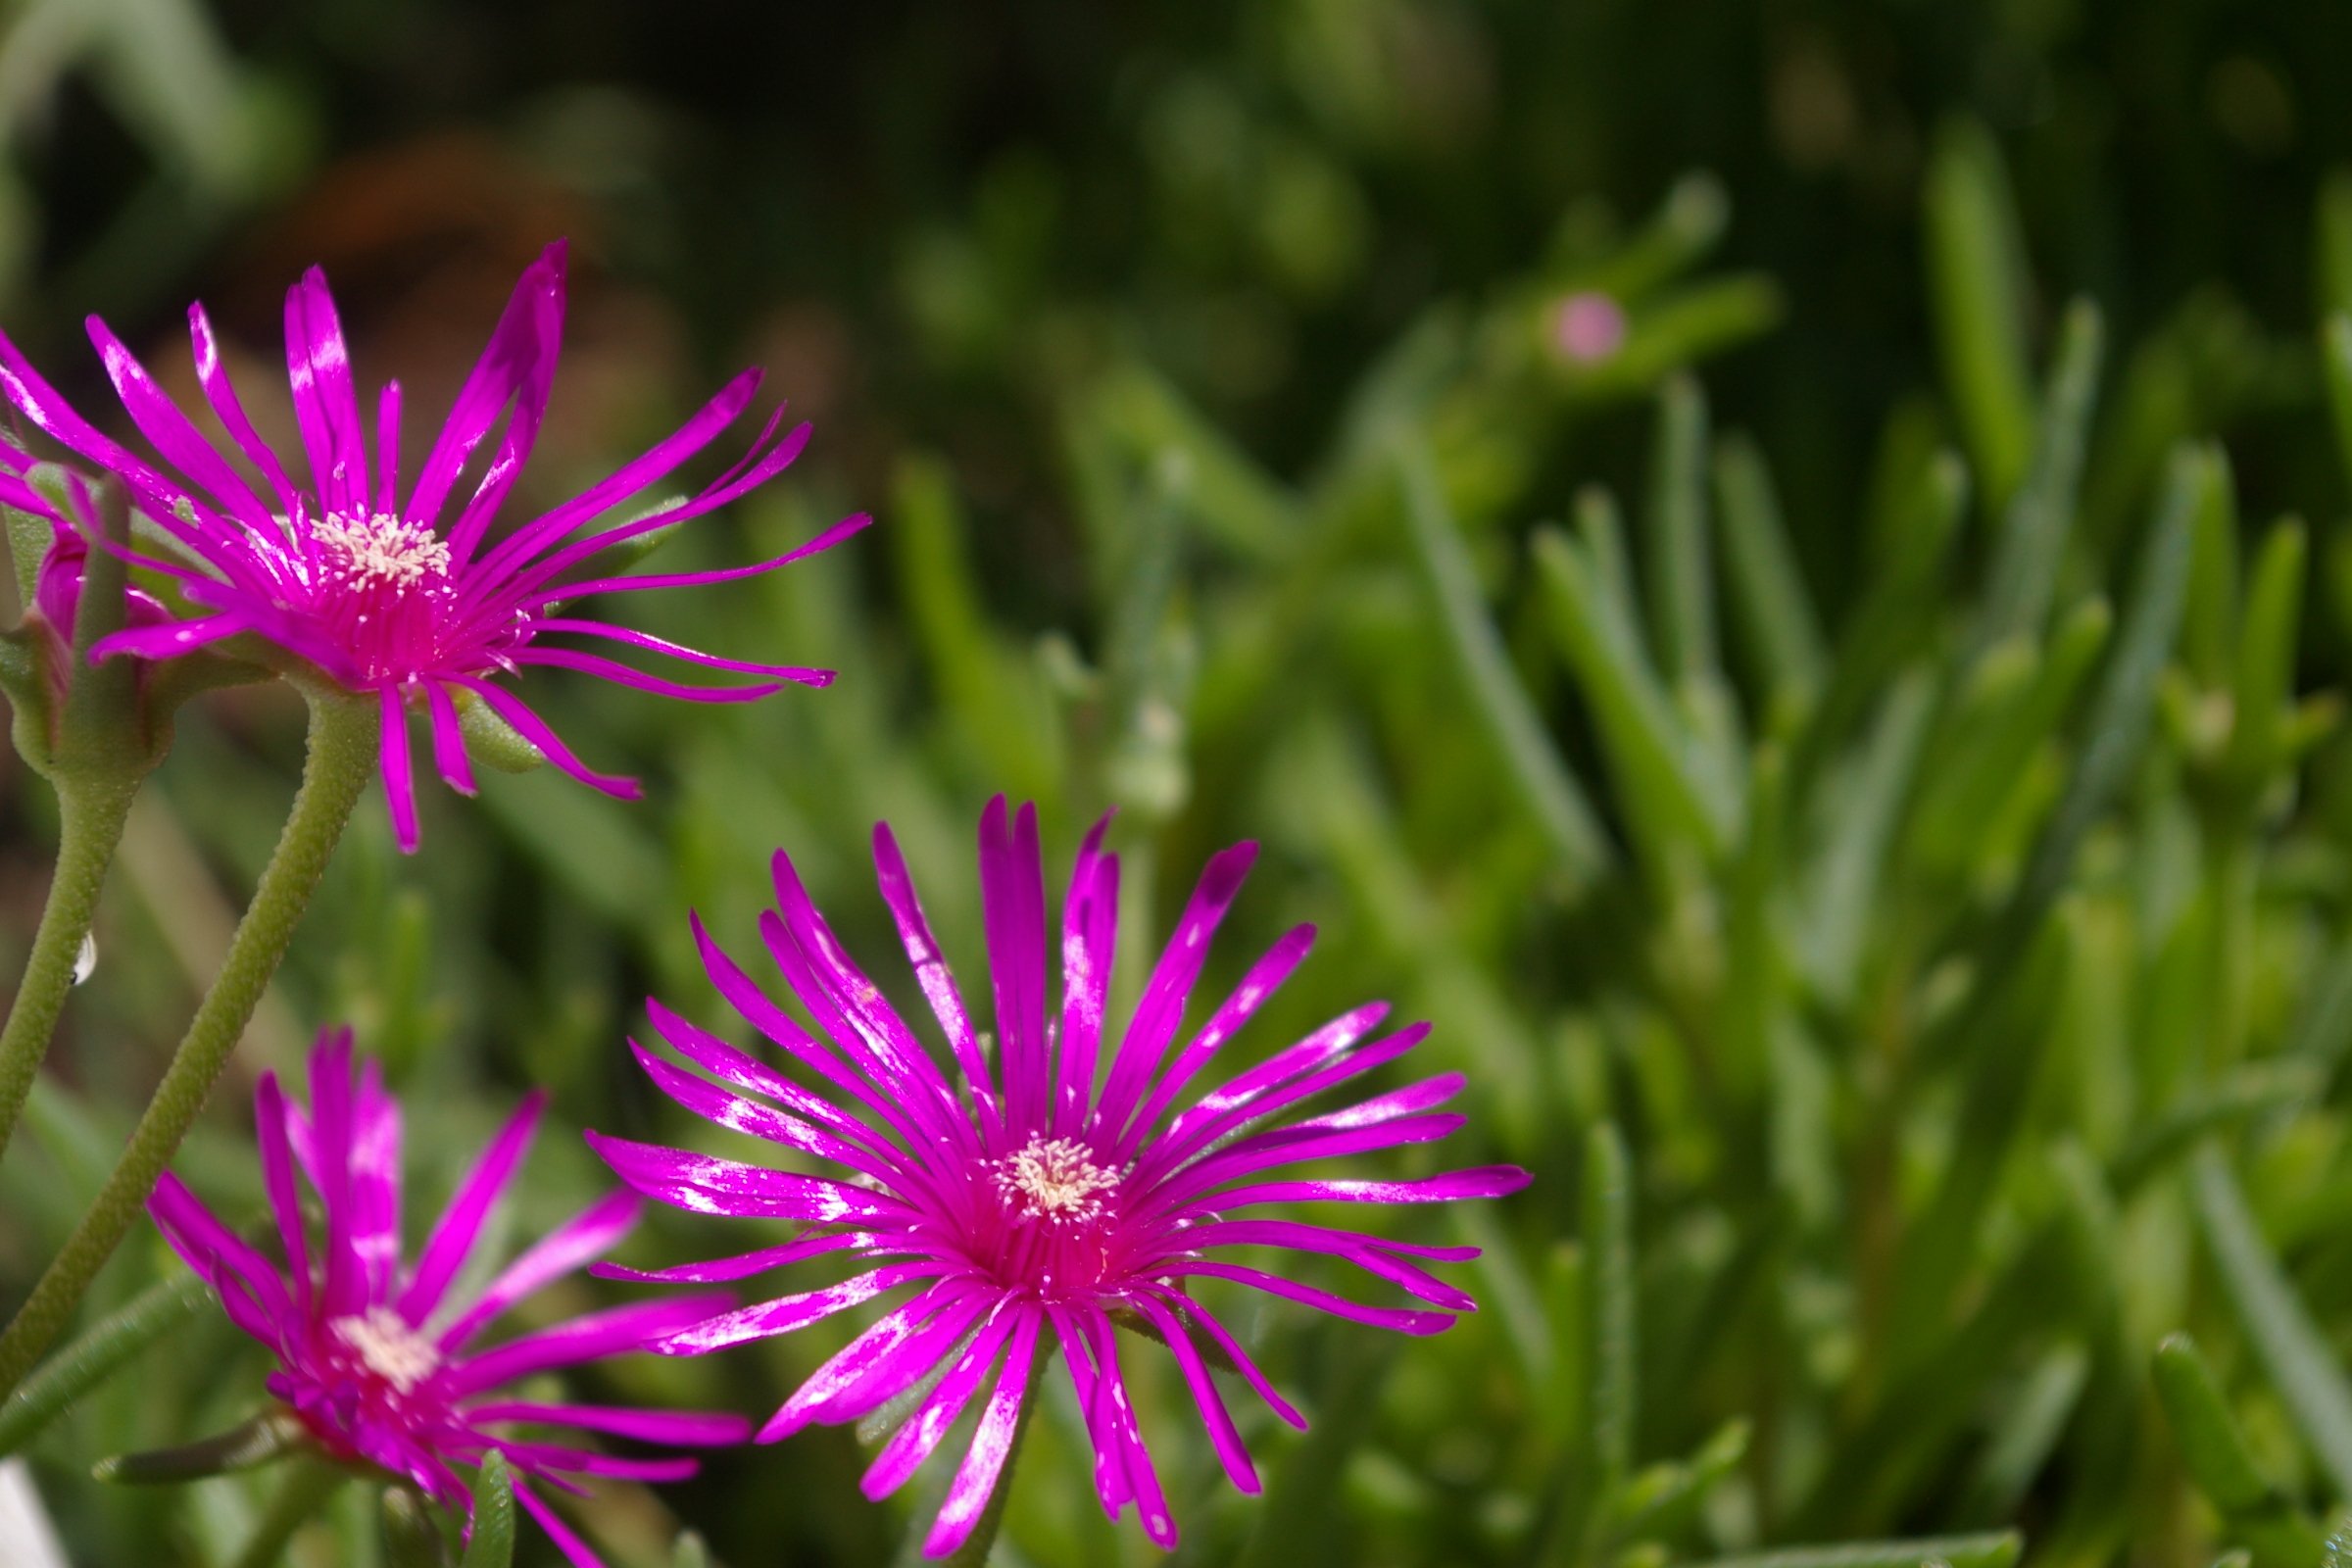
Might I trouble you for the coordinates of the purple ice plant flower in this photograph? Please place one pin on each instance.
(378, 1356)
(1049, 1195)
(406, 595)
(1589, 326)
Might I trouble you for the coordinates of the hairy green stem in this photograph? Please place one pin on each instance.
(90, 817)
(342, 755)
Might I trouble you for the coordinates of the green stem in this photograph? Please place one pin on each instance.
(303, 1492)
(90, 817)
(342, 755)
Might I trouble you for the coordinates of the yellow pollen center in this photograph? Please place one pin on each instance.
(1055, 1179)
(382, 549)
(389, 1347)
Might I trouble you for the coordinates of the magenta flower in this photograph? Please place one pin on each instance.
(373, 1355)
(1043, 1197)
(408, 598)
(1589, 326)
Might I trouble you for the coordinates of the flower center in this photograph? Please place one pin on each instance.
(387, 1347)
(381, 549)
(1055, 1179)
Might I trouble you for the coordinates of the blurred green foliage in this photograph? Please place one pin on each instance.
(1852, 770)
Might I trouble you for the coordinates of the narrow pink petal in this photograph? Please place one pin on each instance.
(1223, 1435)
(278, 1181)
(1111, 1486)
(163, 422)
(854, 1013)
(461, 1224)
(534, 729)
(222, 393)
(1401, 1319)
(1368, 1253)
(216, 1251)
(611, 1332)
(547, 1459)
(376, 1146)
(742, 1265)
(1314, 1065)
(931, 972)
(388, 449)
(704, 1183)
(1195, 1312)
(763, 1319)
(1265, 978)
(739, 1114)
(1160, 1013)
(575, 1550)
(537, 377)
(522, 580)
(1194, 1128)
(723, 1061)
(1015, 924)
(1313, 1239)
(896, 1340)
(621, 675)
(992, 1443)
(326, 407)
(449, 739)
(169, 640)
(759, 1010)
(400, 779)
(910, 1361)
(684, 1429)
(693, 656)
(333, 1121)
(1268, 1151)
(585, 1237)
(1413, 1098)
(1090, 923)
(1150, 1503)
(921, 1433)
(210, 536)
(1486, 1181)
(513, 348)
(832, 536)
(689, 438)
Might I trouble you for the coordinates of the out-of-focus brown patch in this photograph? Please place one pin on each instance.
(808, 352)
(422, 243)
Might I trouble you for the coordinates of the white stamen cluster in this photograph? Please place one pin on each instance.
(381, 549)
(389, 1347)
(1055, 1179)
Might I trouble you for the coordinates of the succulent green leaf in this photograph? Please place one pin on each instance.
(2264, 694)
(1648, 747)
(2335, 365)
(1543, 778)
(2215, 1452)
(490, 739)
(493, 1542)
(1611, 1352)
(1682, 585)
(2040, 515)
(412, 1530)
(1991, 1550)
(97, 1354)
(1760, 568)
(2303, 1371)
(1977, 287)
